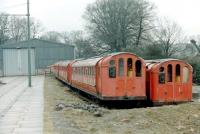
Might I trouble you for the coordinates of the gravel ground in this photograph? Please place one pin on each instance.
(73, 119)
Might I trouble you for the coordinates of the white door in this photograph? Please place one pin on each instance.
(16, 62)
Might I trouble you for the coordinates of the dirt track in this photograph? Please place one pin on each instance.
(178, 119)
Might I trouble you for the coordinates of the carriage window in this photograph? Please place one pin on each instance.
(185, 74)
(178, 73)
(138, 68)
(121, 67)
(161, 75)
(112, 69)
(169, 73)
(129, 67)
(92, 71)
(89, 69)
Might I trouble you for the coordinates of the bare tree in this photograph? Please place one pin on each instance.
(145, 17)
(83, 44)
(4, 28)
(118, 23)
(36, 28)
(66, 37)
(168, 35)
(18, 28)
(52, 36)
(195, 44)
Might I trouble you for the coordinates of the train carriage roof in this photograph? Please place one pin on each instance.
(94, 60)
(151, 63)
(159, 60)
(87, 62)
(118, 53)
(64, 63)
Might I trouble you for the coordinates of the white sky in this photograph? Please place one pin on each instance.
(185, 12)
(66, 15)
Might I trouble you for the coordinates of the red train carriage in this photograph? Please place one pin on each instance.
(168, 81)
(55, 69)
(63, 68)
(118, 76)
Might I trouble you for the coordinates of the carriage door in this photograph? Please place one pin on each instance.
(161, 90)
(178, 88)
(186, 85)
(130, 78)
(121, 78)
(169, 89)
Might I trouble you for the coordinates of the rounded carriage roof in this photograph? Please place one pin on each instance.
(57, 63)
(94, 60)
(86, 62)
(158, 62)
(118, 53)
(64, 63)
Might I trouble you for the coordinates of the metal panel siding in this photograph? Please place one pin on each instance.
(1, 62)
(15, 62)
(48, 56)
(46, 52)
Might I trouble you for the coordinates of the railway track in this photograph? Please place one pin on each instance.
(82, 95)
(89, 99)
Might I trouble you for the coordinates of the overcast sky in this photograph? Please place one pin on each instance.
(66, 15)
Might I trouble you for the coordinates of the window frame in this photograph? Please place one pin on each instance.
(136, 71)
(112, 66)
(129, 69)
(121, 68)
(186, 79)
(171, 73)
(178, 75)
(161, 75)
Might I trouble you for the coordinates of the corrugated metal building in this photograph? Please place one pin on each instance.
(14, 56)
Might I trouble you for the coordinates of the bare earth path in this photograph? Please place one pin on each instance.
(172, 119)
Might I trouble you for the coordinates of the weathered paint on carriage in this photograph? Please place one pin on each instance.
(94, 76)
(124, 86)
(176, 85)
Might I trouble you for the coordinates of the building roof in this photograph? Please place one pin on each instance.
(34, 43)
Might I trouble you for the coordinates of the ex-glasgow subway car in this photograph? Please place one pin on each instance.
(118, 76)
(168, 81)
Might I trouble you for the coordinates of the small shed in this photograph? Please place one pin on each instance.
(14, 56)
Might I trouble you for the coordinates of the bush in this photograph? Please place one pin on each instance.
(153, 52)
(196, 72)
